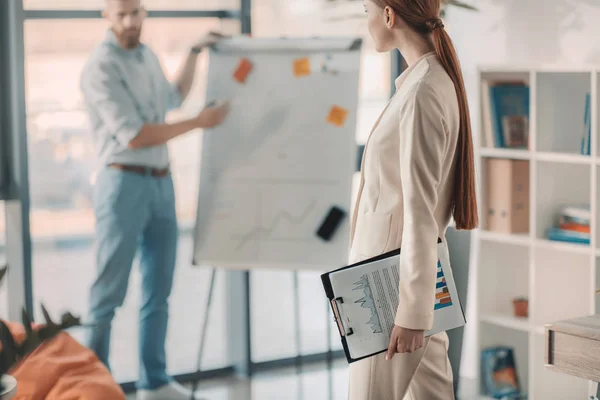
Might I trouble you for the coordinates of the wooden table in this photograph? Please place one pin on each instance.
(10, 387)
(573, 347)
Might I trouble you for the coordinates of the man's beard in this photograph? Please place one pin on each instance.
(130, 40)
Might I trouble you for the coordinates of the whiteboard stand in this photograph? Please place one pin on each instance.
(329, 352)
(211, 289)
(297, 322)
(250, 163)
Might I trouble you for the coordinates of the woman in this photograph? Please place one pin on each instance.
(417, 172)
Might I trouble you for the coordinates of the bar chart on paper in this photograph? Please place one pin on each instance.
(442, 294)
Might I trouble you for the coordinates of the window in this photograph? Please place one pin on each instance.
(149, 4)
(3, 285)
(61, 172)
(295, 18)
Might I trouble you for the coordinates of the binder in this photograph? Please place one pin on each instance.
(361, 297)
(507, 195)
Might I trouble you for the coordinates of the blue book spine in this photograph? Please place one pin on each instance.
(497, 127)
(507, 100)
(588, 124)
(585, 140)
(563, 235)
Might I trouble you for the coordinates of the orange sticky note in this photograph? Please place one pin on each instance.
(337, 116)
(301, 67)
(242, 71)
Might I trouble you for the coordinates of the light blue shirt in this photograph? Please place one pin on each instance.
(123, 90)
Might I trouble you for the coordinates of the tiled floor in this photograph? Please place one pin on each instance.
(314, 382)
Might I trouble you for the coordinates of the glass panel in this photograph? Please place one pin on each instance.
(61, 168)
(295, 18)
(272, 315)
(149, 4)
(314, 315)
(3, 285)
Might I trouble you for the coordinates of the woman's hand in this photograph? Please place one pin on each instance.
(404, 341)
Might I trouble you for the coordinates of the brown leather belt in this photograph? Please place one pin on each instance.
(156, 172)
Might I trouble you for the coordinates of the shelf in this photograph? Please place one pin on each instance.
(540, 330)
(558, 185)
(520, 239)
(546, 156)
(560, 99)
(507, 321)
(513, 154)
(567, 158)
(557, 277)
(563, 246)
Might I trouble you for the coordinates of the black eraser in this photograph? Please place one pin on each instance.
(330, 223)
(359, 156)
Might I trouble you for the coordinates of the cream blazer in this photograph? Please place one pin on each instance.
(407, 177)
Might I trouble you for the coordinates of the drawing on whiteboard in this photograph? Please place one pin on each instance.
(275, 160)
(368, 302)
(260, 232)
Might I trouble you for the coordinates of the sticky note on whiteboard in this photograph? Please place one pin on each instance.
(330, 64)
(302, 67)
(337, 116)
(243, 70)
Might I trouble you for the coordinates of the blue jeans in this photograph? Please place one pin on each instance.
(134, 211)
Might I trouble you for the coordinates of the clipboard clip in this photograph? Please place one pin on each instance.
(337, 316)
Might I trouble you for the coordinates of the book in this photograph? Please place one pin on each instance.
(364, 299)
(509, 99)
(486, 115)
(580, 213)
(499, 377)
(563, 235)
(515, 131)
(587, 128)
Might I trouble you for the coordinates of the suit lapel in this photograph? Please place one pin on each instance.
(362, 173)
(403, 84)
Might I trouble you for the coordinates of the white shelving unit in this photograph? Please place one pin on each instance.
(559, 279)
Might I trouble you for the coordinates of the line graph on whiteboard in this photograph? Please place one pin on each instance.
(261, 232)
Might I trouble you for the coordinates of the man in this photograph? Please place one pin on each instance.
(127, 96)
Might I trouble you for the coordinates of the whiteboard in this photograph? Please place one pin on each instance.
(285, 154)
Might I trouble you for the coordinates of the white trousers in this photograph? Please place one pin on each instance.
(422, 375)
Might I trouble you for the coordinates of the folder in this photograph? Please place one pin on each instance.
(507, 195)
(364, 299)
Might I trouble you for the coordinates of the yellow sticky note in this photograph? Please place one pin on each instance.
(301, 67)
(337, 116)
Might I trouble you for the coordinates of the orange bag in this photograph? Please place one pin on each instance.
(62, 369)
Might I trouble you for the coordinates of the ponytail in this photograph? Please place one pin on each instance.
(464, 199)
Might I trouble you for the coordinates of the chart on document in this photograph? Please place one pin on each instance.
(283, 157)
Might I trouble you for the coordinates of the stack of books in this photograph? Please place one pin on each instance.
(573, 225)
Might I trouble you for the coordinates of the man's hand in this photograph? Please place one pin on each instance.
(207, 40)
(404, 341)
(212, 116)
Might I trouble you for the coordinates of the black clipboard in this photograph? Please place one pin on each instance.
(333, 302)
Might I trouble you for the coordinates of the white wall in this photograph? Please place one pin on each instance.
(522, 32)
